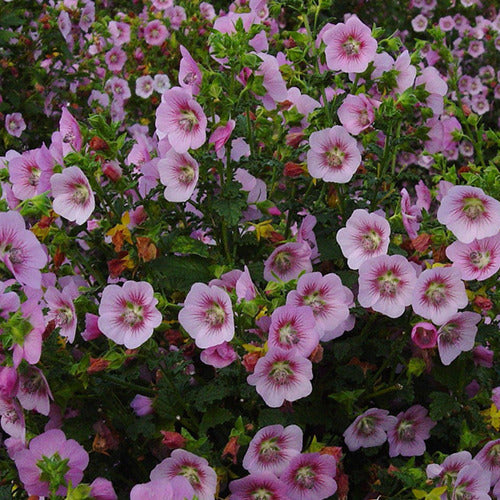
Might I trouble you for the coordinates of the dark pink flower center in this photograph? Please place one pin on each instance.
(16, 255)
(64, 315)
(283, 261)
(363, 117)
(314, 301)
(34, 176)
(269, 450)
(305, 477)
(186, 174)
(191, 474)
(494, 455)
(450, 333)
(366, 426)
(262, 494)
(190, 78)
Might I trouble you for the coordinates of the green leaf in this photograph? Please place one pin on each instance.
(187, 245)
(213, 417)
(442, 405)
(416, 367)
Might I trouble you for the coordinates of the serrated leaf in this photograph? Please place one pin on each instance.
(442, 405)
(187, 245)
(214, 416)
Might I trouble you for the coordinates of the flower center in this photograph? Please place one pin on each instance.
(34, 176)
(335, 157)
(16, 255)
(388, 284)
(406, 430)
(288, 334)
(305, 476)
(64, 315)
(363, 117)
(186, 174)
(262, 494)
(473, 208)
(314, 301)
(191, 474)
(189, 78)
(68, 138)
(436, 293)
(366, 426)
(133, 314)
(81, 194)
(283, 261)
(188, 121)
(269, 450)
(351, 46)
(215, 315)
(449, 333)
(371, 240)
(281, 372)
(480, 259)
(494, 455)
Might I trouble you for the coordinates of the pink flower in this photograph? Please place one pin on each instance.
(366, 235)
(207, 315)
(287, 261)
(70, 133)
(190, 75)
(45, 451)
(334, 155)
(406, 72)
(272, 448)
(12, 420)
(450, 466)
(424, 335)
(195, 469)
(34, 392)
(177, 488)
(142, 405)
(293, 328)
(477, 260)
(180, 118)
(419, 23)
(144, 86)
(258, 485)
(469, 213)
(219, 356)
(62, 309)
(179, 173)
(408, 433)
(350, 47)
(120, 32)
(73, 196)
(326, 296)
(439, 293)
(115, 59)
(282, 376)
(369, 429)
(310, 475)
(127, 314)
(102, 489)
(357, 113)
(489, 458)
(15, 124)
(20, 251)
(155, 32)
(386, 284)
(221, 135)
(472, 482)
(411, 214)
(272, 80)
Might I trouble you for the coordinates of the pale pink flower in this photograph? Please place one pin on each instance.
(489, 458)
(142, 405)
(472, 481)
(62, 310)
(287, 261)
(190, 75)
(127, 314)
(115, 59)
(272, 448)
(450, 467)
(219, 356)
(272, 81)
(155, 32)
(419, 23)
(163, 489)
(70, 133)
(457, 335)
(386, 284)
(411, 214)
(15, 124)
(424, 335)
(207, 315)
(366, 235)
(282, 376)
(120, 32)
(350, 47)
(469, 213)
(258, 485)
(179, 173)
(221, 135)
(180, 118)
(334, 155)
(73, 196)
(357, 113)
(406, 72)
(34, 392)
(368, 429)
(144, 86)
(439, 293)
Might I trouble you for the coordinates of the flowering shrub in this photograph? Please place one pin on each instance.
(249, 250)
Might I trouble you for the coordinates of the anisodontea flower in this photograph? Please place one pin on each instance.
(450, 467)
(409, 431)
(477, 260)
(287, 261)
(386, 284)
(366, 235)
(293, 328)
(163, 489)
(357, 113)
(472, 482)
(350, 47)
(424, 335)
(272, 448)
(207, 315)
(127, 314)
(260, 485)
(62, 309)
(219, 356)
(179, 173)
(334, 155)
(326, 296)
(310, 476)
(457, 335)
(282, 376)
(438, 293)
(73, 196)
(195, 469)
(180, 118)
(469, 213)
(369, 429)
(489, 458)
(15, 124)
(49, 450)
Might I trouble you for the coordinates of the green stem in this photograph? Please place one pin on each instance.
(392, 388)
(128, 385)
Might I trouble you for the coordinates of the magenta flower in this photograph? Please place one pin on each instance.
(207, 315)
(287, 261)
(357, 113)
(73, 196)
(115, 59)
(439, 293)
(369, 429)
(334, 155)
(469, 213)
(34, 392)
(180, 118)
(457, 335)
(127, 314)
(221, 135)
(15, 124)
(489, 458)
(424, 335)
(219, 356)
(350, 47)
(477, 260)
(258, 485)
(20, 251)
(195, 469)
(51, 451)
(326, 296)
(282, 376)
(272, 448)
(386, 284)
(366, 235)
(190, 75)
(407, 434)
(70, 133)
(310, 476)
(62, 309)
(179, 173)
(293, 328)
